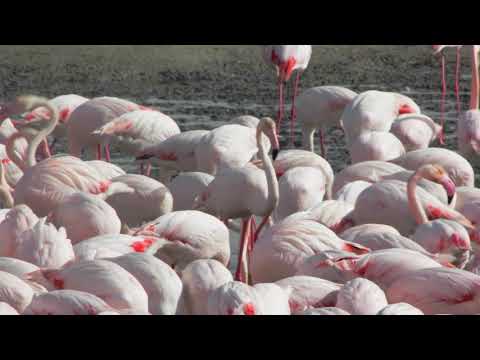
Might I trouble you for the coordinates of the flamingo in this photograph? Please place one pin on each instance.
(45, 246)
(438, 291)
(137, 130)
(235, 298)
(186, 187)
(256, 193)
(361, 297)
(15, 292)
(375, 111)
(351, 191)
(386, 202)
(415, 131)
(161, 283)
(457, 167)
(400, 309)
(308, 292)
(286, 59)
(376, 146)
(85, 216)
(105, 279)
(283, 247)
(66, 302)
(16, 267)
(440, 50)
(7, 310)
(90, 116)
(468, 132)
(18, 220)
(300, 189)
(320, 108)
(326, 311)
(199, 279)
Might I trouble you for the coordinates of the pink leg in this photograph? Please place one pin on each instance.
(99, 152)
(457, 81)
(107, 153)
(322, 142)
(294, 110)
(259, 229)
(142, 169)
(243, 239)
(442, 104)
(281, 109)
(149, 170)
(46, 149)
(253, 231)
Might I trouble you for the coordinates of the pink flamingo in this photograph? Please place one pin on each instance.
(286, 59)
(235, 298)
(401, 309)
(308, 292)
(256, 193)
(321, 108)
(186, 236)
(468, 131)
(351, 191)
(438, 291)
(90, 116)
(7, 310)
(161, 283)
(375, 111)
(105, 279)
(361, 297)
(138, 199)
(137, 130)
(376, 146)
(387, 202)
(18, 220)
(439, 50)
(186, 187)
(66, 302)
(290, 159)
(199, 279)
(415, 131)
(283, 247)
(300, 189)
(45, 246)
(84, 216)
(16, 267)
(457, 167)
(15, 292)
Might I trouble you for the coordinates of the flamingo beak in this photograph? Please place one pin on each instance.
(449, 187)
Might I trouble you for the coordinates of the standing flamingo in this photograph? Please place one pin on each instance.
(319, 109)
(468, 131)
(255, 192)
(439, 50)
(286, 59)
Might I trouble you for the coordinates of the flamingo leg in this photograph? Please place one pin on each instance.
(281, 105)
(442, 104)
(107, 153)
(243, 238)
(264, 222)
(293, 116)
(142, 169)
(52, 145)
(253, 231)
(46, 148)
(148, 172)
(99, 152)
(322, 142)
(457, 81)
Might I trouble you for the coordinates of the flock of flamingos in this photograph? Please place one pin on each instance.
(394, 233)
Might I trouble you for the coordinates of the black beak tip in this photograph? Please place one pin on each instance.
(275, 153)
(450, 199)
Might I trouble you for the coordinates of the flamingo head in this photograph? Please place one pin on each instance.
(269, 128)
(437, 173)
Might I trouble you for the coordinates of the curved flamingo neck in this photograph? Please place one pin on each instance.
(12, 154)
(272, 182)
(474, 101)
(42, 135)
(414, 203)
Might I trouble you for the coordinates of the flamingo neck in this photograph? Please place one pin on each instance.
(308, 139)
(43, 134)
(272, 182)
(12, 154)
(474, 101)
(414, 203)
